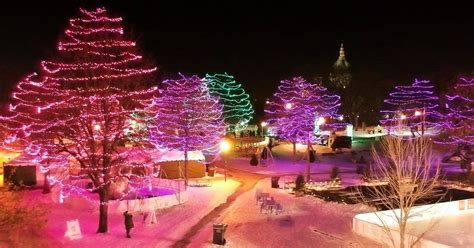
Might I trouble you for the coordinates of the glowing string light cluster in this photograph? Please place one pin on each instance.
(101, 38)
(414, 106)
(298, 106)
(238, 109)
(459, 119)
(72, 121)
(187, 117)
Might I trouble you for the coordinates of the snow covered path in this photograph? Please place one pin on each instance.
(305, 222)
(246, 185)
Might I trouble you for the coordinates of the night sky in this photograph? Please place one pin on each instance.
(262, 44)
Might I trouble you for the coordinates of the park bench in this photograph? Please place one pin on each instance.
(202, 182)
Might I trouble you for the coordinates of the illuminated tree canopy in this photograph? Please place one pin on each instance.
(79, 107)
(459, 119)
(296, 108)
(186, 118)
(238, 109)
(414, 106)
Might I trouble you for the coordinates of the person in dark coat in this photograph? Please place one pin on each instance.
(128, 222)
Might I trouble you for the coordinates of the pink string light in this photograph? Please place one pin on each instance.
(56, 122)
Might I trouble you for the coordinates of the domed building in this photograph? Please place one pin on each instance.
(340, 74)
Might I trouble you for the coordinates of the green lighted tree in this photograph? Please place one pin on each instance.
(238, 110)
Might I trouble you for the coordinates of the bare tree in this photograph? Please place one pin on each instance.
(411, 173)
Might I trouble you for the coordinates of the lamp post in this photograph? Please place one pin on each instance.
(263, 124)
(422, 115)
(224, 148)
(423, 122)
(319, 122)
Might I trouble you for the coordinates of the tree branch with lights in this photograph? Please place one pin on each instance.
(414, 106)
(88, 99)
(187, 118)
(298, 109)
(238, 109)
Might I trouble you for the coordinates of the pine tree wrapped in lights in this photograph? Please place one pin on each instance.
(238, 110)
(460, 117)
(414, 106)
(187, 118)
(100, 88)
(298, 109)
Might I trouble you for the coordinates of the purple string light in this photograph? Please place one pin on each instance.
(187, 117)
(413, 106)
(296, 108)
(459, 120)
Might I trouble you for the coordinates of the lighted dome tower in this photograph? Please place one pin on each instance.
(340, 74)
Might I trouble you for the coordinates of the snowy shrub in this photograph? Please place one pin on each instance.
(254, 160)
(335, 173)
(299, 182)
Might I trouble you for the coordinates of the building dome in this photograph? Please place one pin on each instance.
(340, 74)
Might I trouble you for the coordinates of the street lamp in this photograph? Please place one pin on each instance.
(403, 117)
(288, 105)
(320, 121)
(422, 115)
(224, 147)
(263, 124)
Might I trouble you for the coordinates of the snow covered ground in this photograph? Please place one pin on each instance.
(172, 222)
(453, 231)
(283, 165)
(305, 222)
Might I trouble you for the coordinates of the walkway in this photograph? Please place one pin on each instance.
(248, 181)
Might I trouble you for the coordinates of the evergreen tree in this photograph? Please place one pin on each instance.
(238, 109)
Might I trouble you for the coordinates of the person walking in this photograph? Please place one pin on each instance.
(128, 222)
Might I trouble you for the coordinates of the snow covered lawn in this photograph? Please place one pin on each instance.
(172, 222)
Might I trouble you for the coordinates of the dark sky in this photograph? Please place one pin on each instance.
(262, 44)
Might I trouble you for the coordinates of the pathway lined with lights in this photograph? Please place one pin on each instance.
(248, 181)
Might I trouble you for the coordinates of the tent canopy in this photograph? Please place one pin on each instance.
(177, 156)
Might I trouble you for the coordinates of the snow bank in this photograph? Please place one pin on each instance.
(172, 222)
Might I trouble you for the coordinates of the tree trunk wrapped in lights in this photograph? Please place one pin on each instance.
(100, 92)
(187, 118)
(238, 109)
(298, 109)
(414, 106)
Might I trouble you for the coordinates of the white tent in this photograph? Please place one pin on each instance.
(176, 156)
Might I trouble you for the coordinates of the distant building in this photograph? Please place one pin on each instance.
(340, 74)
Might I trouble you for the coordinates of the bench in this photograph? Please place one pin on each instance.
(202, 182)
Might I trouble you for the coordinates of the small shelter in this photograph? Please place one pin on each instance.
(170, 164)
(22, 169)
